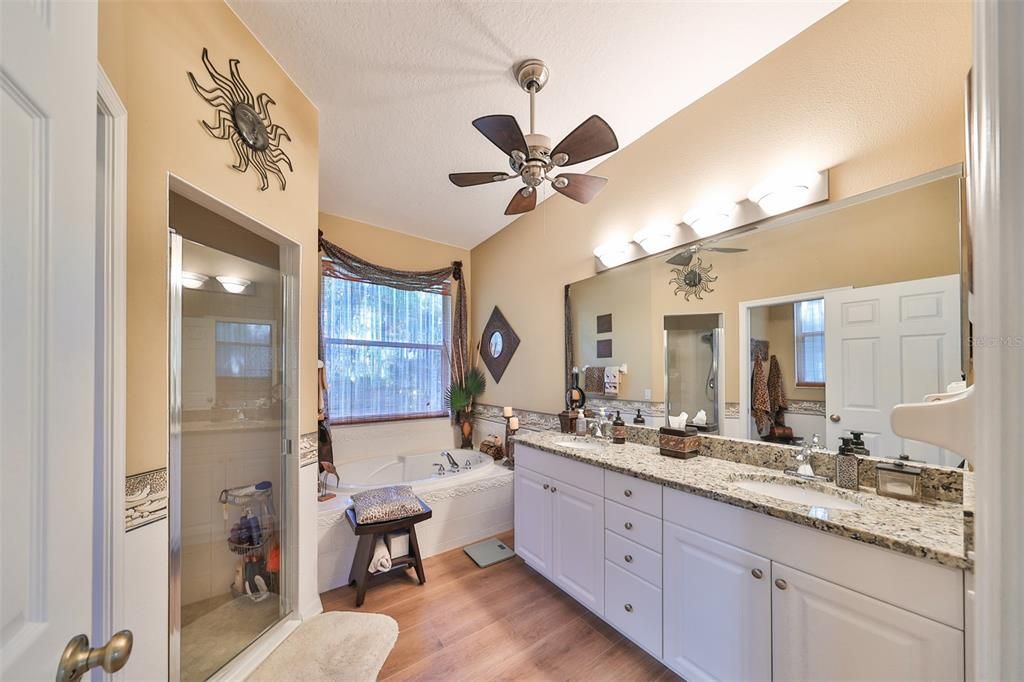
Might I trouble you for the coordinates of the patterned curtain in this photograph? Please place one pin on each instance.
(337, 262)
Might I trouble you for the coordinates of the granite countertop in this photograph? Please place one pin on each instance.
(930, 530)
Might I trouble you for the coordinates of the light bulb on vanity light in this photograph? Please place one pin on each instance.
(711, 218)
(783, 191)
(613, 253)
(657, 237)
(193, 280)
(233, 285)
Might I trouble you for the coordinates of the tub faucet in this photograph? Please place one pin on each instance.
(440, 469)
(453, 466)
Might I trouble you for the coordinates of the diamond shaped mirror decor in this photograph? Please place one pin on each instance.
(498, 344)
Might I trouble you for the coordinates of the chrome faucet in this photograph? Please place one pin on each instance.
(453, 466)
(804, 469)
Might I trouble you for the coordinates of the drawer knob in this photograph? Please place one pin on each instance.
(757, 573)
(781, 584)
(629, 558)
(628, 493)
(629, 608)
(628, 525)
(546, 486)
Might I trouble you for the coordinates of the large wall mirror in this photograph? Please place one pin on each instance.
(829, 317)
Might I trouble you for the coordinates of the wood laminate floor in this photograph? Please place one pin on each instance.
(504, 622)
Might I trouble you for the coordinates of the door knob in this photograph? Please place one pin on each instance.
(78, 658)
(781, 584)
(629, 608)
(629, 558)
(628, 493)
(757, 573)
(628, 525)
(835, 418)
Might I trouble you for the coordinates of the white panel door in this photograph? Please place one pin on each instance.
(821, 631)
(717, 609)
(577, 556)
(533, 502)
(48, 238)
(886, 345)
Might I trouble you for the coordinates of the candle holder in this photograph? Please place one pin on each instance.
(510, 457)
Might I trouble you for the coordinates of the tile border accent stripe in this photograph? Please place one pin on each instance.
(145, 498)
(309, 448)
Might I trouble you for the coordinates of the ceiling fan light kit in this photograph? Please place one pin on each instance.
(769, 204)
(532, 157)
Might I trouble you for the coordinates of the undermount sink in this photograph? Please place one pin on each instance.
(578, 444)
(798, 494)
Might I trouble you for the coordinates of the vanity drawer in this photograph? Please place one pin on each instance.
(632, 492)
(636, 559)
(633, 525)
(633, 607)
(585, 476)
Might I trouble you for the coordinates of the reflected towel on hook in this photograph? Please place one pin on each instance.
(760, 405)
(611, 380)
(593, 379)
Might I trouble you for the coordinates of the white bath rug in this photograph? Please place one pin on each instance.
(332, 646)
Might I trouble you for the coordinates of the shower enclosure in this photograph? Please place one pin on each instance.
(230, 443)
(693, 361)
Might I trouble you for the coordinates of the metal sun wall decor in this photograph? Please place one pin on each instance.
(693, 279)
(245, 121)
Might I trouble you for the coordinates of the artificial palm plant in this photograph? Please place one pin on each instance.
(468, 384)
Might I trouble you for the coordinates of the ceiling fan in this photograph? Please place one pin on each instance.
(532, 157)
(685, 257)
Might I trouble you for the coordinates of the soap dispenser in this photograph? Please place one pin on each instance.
(639, 418)
(859, 448)
(581, 423)
(847, 465)
(618, 429)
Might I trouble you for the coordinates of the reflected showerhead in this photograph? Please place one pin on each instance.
(707, 337)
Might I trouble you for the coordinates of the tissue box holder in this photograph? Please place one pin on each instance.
(678, 443)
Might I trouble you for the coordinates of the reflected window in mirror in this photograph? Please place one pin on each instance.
(809, 331)
(495, 344)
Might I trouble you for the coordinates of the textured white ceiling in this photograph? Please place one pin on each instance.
(398, 84)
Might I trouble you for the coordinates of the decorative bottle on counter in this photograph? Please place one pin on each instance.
(847, 466)
(618, 430)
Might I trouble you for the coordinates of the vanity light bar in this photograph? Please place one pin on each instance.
(774, 197)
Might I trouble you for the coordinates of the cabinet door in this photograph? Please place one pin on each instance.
(717, 609)
(533, 501)
(577, 559)
(821, 631)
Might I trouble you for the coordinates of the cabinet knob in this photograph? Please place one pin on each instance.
(835, 418)
(628, 558)
(628, 493)
(546, 486)
(629, 608)
(757, 573)
(781, 584)
(628, 525)
(553, 488)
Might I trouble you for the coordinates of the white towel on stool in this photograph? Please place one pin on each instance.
(381, 560)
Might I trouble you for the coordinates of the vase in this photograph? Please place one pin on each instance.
(466, 427)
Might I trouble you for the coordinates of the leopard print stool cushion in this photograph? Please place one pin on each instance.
(385, 504)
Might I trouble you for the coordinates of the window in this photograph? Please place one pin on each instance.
(245, 350)
(384, 351)
(809, 329)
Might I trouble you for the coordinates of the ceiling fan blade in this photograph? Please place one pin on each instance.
(481, 178)
(521, 203)
(724, 249)
(592, 138)
(580, 187)
(683, 258)
(504, 132)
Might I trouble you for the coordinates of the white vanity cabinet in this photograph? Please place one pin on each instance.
(717, 592)
(820, 629)
(560, 526)
(718, 609)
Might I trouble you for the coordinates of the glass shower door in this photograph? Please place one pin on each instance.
(693, 367)
(227, 474)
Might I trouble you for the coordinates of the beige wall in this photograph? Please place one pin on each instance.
(146, 48)
(874, 92)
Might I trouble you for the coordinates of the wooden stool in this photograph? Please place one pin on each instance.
(368, 534)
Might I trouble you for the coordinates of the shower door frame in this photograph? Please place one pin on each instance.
(289, 267)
